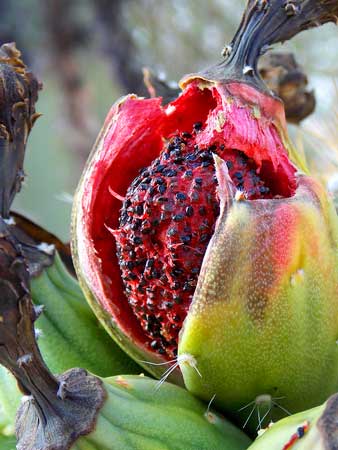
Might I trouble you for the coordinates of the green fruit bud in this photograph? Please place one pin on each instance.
(136, 414)
(314, 429)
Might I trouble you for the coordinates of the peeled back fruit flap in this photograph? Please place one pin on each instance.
(201, 240)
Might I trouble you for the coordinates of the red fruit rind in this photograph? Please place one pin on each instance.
(134, 133)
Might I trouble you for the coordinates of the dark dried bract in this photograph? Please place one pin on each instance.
(285, 78)
(18, 94)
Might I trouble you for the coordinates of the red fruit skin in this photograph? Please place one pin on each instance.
(132, 137)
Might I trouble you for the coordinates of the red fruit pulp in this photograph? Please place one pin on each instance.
(170, 208)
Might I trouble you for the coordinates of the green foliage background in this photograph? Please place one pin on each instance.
(171, 36)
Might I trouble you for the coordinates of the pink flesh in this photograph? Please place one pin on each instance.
(134, 138)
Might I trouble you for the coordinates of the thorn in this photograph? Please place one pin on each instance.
(10, 221)
(291, 9)
(226, 51)
(38, 333)
(27, 398)
(49, 249)
(25, 360)
(38, 310)
(248, 70)
(211, 417)
(62, 390)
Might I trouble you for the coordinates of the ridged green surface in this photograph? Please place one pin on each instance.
(138, 416)
(7, 443)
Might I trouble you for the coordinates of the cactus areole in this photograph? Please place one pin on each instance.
(193, 220)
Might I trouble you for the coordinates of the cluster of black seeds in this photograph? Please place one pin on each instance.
(166, 222)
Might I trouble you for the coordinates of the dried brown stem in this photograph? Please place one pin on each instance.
(58, 410)
(18, 95)
(264, 23)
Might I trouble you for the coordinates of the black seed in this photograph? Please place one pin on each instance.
(186, 135)
(168, 305)
(155, 223)
(186, 239)
(162, 188)
(176, 318)
(143, 187)
(130, 265)
(181, 196)
(140, 290)
(159, 168)
(139, 210)
(150, 263)
(206, 156)
(204, 238)
(132, 254)
(191, 157)
(162, 199)
(188, 173)
(178, 217)
(197, 126)
(150, 304)
(189, 211)
(206, 163)
(222, 146)
(136, 225)
(199, 181)
(154, 344)
(132, 276)
(137, 240)
(164, 278)
(195, 270)
(187, 287)
(177, 299)
(202, 211)
(156, 274)
(176, 272)
(264, 190)
(229, 164)
(169, 173)
(175, 285)
(161, 351)
(238, 175)
(212, 148)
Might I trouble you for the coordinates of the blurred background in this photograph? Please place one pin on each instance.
(87, 53)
